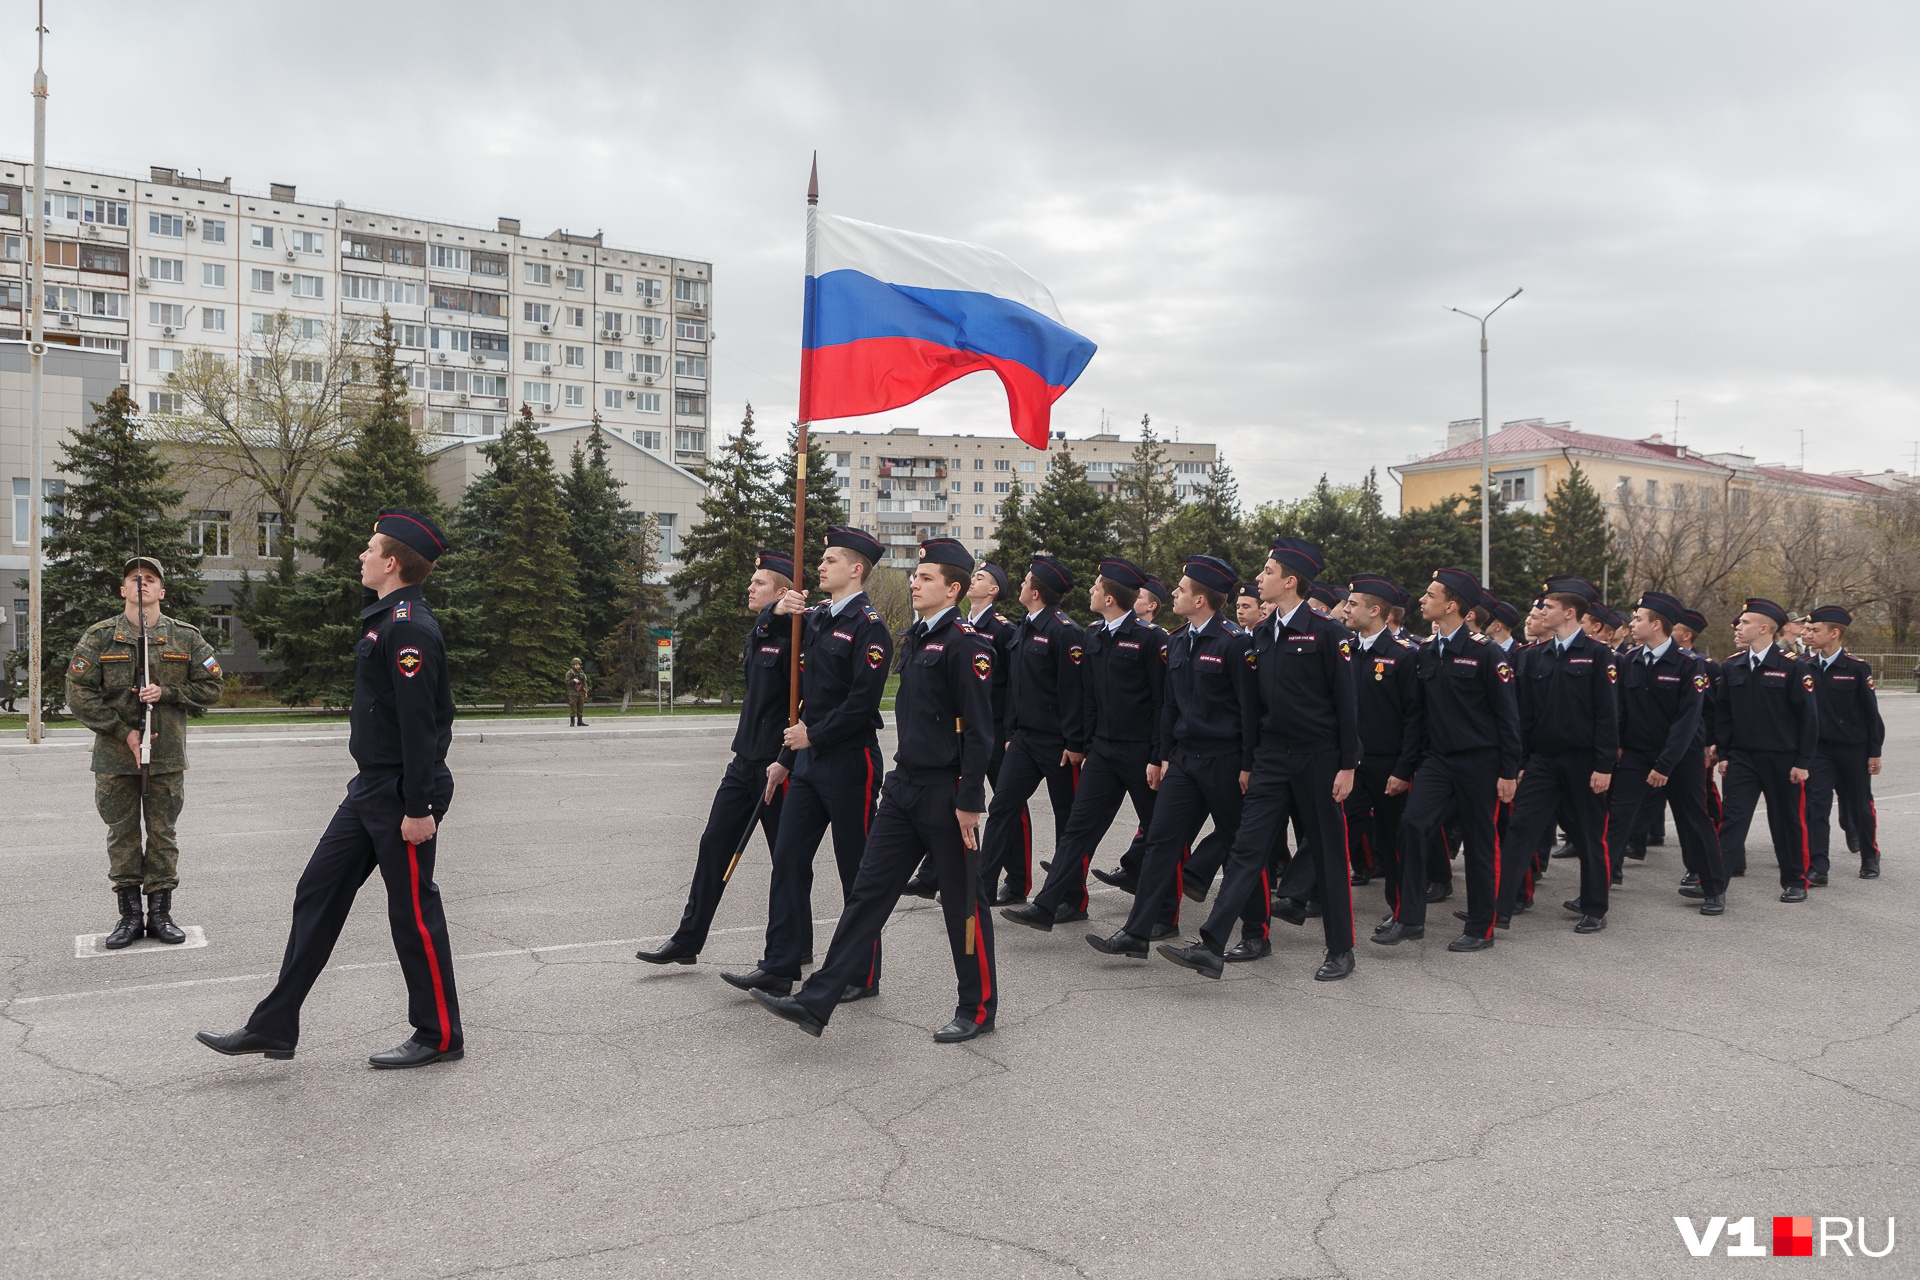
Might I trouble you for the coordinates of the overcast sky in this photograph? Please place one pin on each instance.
(1259, 212)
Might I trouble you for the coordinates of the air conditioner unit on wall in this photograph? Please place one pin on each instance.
(192, 222)
(648, 379)
(462, 397)
(546, 368)
(647, 338)
(286, 277)
(141, 282)
(292, 256)
(166, 331)
(441, 356)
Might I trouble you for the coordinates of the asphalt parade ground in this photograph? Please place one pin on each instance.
(1543, 1109)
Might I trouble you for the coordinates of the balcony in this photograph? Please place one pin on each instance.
(926, 470)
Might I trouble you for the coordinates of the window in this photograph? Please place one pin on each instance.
(22, 513)
(690, 366)
(488, 264)
(308, 241)
(170, 314)
(574, 397)
(646, 363)
(690, 330)
(1737, 500)
(270, 537)
(865, 461)
(574, 357)
(106, 213)
(536, 312)
(309, 286)
(647, 439)
(1515, 486)
(211, 532)
(171, 225)
(494, 345)
(866, 483)
(576, 317)
(979, 464)
(614, 281)
(13, 295)
(360, 288)
(1001, 464)
(865, 507)
(490, 384)
(1653, 493)
(536, 273)
(410, 335)
(450, 257)
(446, 379)
(213, 231)
(646, 290)
(60, 205)
(1027, 486)
(1000, 486)
(610, 322)
(450, 339)
(61, 297)
(213, 319)
(219, 632)
(263, 237)
(1679, 497)
(382, 249)
(63, 253)
(405, 292)
(103, 302)
(690, 404)
(613, 361)
(172, 270)
(462, 423)
(214, 273)
(305, 371)
(647, 402)
(693, 291)
(15, 249)
(1026, 466)
(262, 281)
(978, 487)
(689, 442)
(668, 524)
(163, 359)
(537, 352)
(536, 392)
(576, 277)
(610, 398)
(649, 327)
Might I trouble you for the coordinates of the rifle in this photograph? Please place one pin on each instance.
(146, 664)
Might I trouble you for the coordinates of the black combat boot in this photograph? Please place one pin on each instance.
(160, 917)
(132, 923)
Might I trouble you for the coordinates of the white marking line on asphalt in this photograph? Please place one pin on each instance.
(86, 946)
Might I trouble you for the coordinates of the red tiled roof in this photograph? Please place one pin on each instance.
(1534, 437)
(1815, 480)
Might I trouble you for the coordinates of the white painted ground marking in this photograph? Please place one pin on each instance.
(86, 946)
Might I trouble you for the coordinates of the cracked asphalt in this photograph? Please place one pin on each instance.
(1545, 1108)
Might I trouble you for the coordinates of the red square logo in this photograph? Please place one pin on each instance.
(1793, 1237)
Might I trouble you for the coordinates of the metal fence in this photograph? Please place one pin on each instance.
(1893, 670)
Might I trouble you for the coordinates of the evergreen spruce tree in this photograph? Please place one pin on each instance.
(627, 652)
(1512, 548)
(118, 486)
(1574, 537)
(310, 627)
(1144, 500)
(717, 559)
(1071, 521)
(823, 504)
(1434, 537)
(1210, 525)
(600, 528)
(1016, 545)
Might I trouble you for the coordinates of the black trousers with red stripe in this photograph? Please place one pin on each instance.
(915, 819)
(1840, 769)
(1459, 791)
(836, 789)
(364, 834)
(1204, 858)
(1192, 789)
(925, 871)
(1558, 788)
(733, 808)
(1114, 771)
(1373, 823)
(1686, 793)
(1031, 759)
(1751, 774)
(1287, 784)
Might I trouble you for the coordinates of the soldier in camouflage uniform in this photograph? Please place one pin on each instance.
(104, 693)
(578, 691)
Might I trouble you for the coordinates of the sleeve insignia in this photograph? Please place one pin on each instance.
(1869, 682)
(982, 666)
(408, 660)
(1253, 659)
(1701, 682)
(1613, 673)
(212, 664)
(403, 611)
(876, 656)
(1806, 681)
(1075, 653)
(79, 665)
(1163, 655)
(1504, 671)
(1346, 651)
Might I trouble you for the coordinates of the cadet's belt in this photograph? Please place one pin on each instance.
(929, 777)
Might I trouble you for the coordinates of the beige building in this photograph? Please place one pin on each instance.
(904, 487)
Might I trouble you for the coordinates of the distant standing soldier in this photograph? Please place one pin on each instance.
(7, 668)
(578, 691)
(105, 690)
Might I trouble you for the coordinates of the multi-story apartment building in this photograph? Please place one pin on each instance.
(903, 487)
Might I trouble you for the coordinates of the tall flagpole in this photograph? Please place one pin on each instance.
(37, 360)
(800, 458)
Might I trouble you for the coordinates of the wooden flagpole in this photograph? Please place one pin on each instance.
(800, 459)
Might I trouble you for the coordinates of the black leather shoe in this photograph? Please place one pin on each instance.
(1693, 890)
(1466, 943)
(160, 925)
(1334, 968)
(1690, 880)
(1394, 934)
(1565, 851)
(1714, 906)
(1007, 897)
(849, 994)
(1818, 880)
(1193, 889)
(759, 980)
(1359, 879)
(1046, 864)
(1064, 914)
(1291, 910)
(957, 1030)
(1197, 956)
(1034, 917)
(1248, 949)
(918, 888)
(1522, 905)
(1573, 905)
(1118, 879)
(1853, 842)
(1121, 943)
(1735, 873)
(1793, 893)
(1617, 879)
(236, 1043)
(785, 1006)
(1869, 866)
(1160, 931)
(1504, 922)
(668, 952)
(413, 1054)
(1439, 892)
(132, 923)
(1590, 924)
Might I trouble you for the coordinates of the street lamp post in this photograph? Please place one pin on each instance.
(1486, 505)
(36, 360)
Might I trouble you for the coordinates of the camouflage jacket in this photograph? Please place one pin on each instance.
(105, 670)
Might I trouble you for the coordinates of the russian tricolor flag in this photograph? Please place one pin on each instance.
(892, 316)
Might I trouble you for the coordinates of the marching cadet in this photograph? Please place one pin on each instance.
(1384, 679)
(1327, 600)
(1570, 728)
(1502, 621)
(1046, 729)
(1766, 732)
(1692, 626)
(1247, 610)
(1123, 686)
(1149, 603)
(1663, 735)
(1207, 736)
(1851, 737)
(747, 788)
(1467, 724)
(1309, 746)
(934, 796)
(390, 818)
(112, 685)
(988, 587)
(578, 690)
(830, 760)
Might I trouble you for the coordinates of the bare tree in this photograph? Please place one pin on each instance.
(1703, 548)
(269, 424)
(1890, 536)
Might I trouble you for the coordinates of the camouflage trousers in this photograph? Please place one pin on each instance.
(117, 797)
(577, 703)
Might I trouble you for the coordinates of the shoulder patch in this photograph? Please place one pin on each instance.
(983, 666)
(212, 664)
(1869, 682)
(1075, 653)
(1806, 681)
(873, 615)
(79, 665)
(403, 610)
(1504, 670)
(408, 660)
(1346, 651)
(876, 656)
(1253, 659)
(1613, 673)
(1701, 682)
(1062, 615)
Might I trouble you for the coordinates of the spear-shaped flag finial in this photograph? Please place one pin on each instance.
(813, 181)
